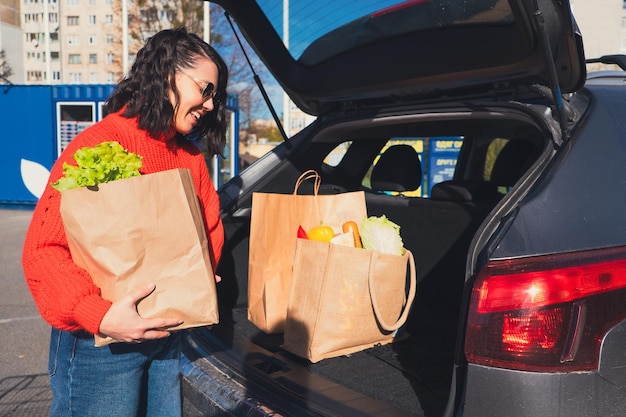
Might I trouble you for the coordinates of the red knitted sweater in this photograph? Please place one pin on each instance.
(65, 293)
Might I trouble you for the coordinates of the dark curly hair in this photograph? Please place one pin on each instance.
(144, 90)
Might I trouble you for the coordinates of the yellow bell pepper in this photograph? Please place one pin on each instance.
(321, 233)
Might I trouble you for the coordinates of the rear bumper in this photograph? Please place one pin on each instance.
(601, 393)
(208, 392)
(497, 392)
(218, 380)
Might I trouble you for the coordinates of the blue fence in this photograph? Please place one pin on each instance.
(31, 134)
(38, 122)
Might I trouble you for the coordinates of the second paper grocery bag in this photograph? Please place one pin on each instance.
(344, 300)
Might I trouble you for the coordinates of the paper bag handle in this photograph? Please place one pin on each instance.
(307, 175)
(411, 296)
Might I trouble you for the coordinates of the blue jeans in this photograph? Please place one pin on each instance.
(121, 380)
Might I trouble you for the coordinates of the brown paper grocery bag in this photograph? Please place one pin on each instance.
(273, 230)
(344, 300)
(140, 230)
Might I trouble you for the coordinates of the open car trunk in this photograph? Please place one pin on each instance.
(422, 373)
(490, 73)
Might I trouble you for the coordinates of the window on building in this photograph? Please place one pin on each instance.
(54, 37)
(110, 78)
(72, 2)
(168, 15)
(109, 59)
(108, 19)
(34, 75)
(31, 37)
(93, 58)
(297, 123)
(54, 56)
(73, 20)
(73, 59)
(76, 77)
(35, 39)
(110, 39)
(56, 75)
(93, 39)
(73, 39)
(53, 17)
(92, 19)
(93, 78)
(148, 15)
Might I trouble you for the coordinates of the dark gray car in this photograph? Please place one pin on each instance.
(520, 250)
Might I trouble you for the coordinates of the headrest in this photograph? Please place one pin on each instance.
(464, 191)
(511, 162)
(398, 169)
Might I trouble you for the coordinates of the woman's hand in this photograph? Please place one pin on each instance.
(123, 324)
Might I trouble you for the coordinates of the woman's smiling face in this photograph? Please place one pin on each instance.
(191, 82)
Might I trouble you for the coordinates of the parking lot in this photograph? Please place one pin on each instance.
(24, 389)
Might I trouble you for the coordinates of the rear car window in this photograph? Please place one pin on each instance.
(336, 155)
(438, 156)
(371, 20)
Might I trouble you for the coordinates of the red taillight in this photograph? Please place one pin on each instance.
(546, 313)
(538, 328)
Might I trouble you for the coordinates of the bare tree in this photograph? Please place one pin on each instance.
(5, 69)
(241, 76)
(146, 17)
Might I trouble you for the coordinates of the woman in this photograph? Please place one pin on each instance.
(174, 92)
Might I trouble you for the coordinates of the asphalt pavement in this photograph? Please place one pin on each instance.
(24, 388)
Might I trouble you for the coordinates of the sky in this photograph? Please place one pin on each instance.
(309, 19)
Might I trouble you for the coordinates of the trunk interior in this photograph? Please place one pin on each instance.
(413, 376)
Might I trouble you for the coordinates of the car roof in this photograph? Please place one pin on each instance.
(416, 50)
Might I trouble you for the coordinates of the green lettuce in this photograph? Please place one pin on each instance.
(107, 161)
(382, 235)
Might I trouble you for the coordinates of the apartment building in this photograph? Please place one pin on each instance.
(10, 39)
(297, 119)
(40, 41)
(70, 41)
(90, 52)
(602, 24)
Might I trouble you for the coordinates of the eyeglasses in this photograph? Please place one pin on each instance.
(208, 91)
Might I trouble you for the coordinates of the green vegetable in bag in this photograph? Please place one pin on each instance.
(107, 161)
(382, 235)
